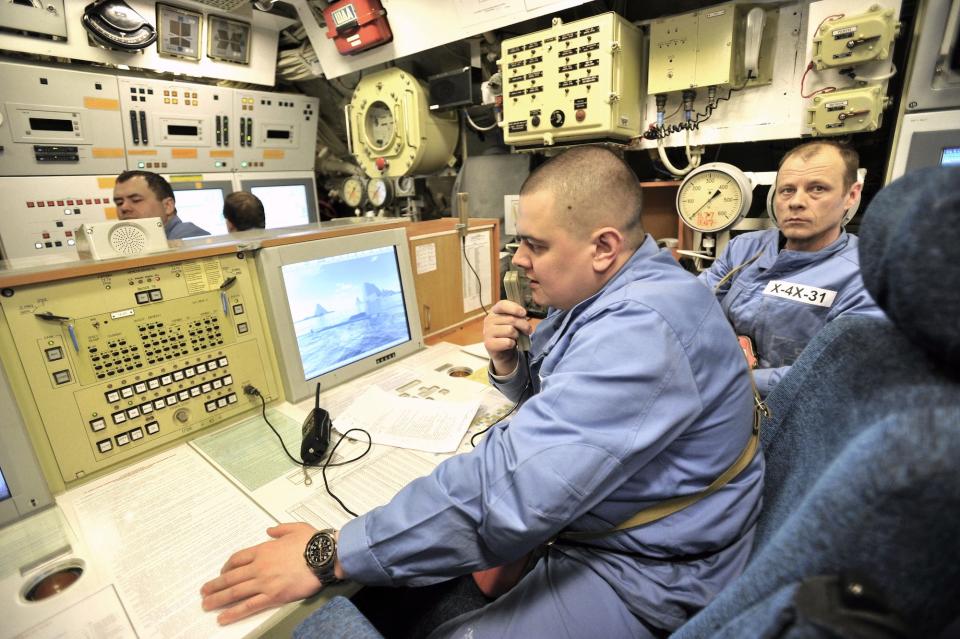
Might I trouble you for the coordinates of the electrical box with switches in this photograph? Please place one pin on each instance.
(847, 111)
(578, 81)
(725, 44)
(391, 131)
(851, 40)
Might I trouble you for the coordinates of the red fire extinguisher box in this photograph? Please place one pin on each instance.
(357, 25)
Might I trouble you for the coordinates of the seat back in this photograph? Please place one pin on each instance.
(864, 439)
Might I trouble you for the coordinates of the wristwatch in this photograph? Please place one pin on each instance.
(321, 554)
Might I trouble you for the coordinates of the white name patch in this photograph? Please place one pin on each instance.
(800, 293)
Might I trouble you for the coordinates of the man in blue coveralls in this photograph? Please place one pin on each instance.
(635, 392)
(781, 287)
(142, 194)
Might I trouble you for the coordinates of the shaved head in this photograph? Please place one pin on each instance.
(591, 188)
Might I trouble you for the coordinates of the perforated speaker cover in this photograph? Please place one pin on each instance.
(128, 239)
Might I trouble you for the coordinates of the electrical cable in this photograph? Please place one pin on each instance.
(526, 387)
(463, 246)
(477, 127)
(250, 389)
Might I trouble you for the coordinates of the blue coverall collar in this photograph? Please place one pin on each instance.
(772, 254)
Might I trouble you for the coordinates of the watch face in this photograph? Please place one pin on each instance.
(320, 550)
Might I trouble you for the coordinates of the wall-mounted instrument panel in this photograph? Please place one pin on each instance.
(59, 122)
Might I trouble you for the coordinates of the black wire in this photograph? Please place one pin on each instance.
(463, 246)
(526, 387)
(658, 132)
(326, 464)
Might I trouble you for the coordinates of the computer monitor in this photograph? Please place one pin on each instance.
(288, 199)
(201, 202)
(23, 490)
(950, 156)
(339, 307)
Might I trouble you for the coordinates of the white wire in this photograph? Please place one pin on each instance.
(876, 78)
(477, 127)
(693, 157)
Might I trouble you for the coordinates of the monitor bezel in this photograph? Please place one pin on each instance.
(308, 182)
(28, 489)
(225, 187)
(269, 262)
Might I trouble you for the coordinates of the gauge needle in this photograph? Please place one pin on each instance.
(710, 199)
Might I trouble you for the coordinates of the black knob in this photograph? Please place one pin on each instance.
(535, 120)
(557, 118)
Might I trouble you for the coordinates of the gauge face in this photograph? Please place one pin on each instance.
(406, 185)
(379, 125)
(353, 191)
(713, 198)
(378, 192)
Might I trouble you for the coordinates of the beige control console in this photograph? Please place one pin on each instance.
(108, 367)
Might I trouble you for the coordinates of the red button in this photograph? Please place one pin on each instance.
(69, 202)
(59, 203)
(46, 236)
(29, 205)
(68, 233)
(381, 163)
(50, 203)
(580, 115)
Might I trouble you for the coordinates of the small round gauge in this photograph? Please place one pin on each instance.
(379, 126)
(353, 191)
(714, 197)
(379, 192)
(406, 185)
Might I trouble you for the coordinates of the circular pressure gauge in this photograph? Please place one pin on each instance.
(379, 125)
(714, 197)
(352, 192)
(379, 192)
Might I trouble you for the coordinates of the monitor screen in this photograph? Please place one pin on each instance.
(345, 307)
(202, 206)
(289, 198)
(339, 307)
(950, 156)
(284, 205)
(4, 491)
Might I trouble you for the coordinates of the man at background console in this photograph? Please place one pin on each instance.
(635, 392)
(243, 211)
(780, 287)
(141, 194)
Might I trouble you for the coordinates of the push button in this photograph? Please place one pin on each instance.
(98, 424)
(104, 445)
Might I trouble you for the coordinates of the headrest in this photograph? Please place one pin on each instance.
(910, 258)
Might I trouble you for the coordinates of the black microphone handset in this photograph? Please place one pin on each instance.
(316, 433)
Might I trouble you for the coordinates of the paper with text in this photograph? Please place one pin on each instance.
(162, 528)
(409, 422)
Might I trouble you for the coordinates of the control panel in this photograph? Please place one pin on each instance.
(176, 126)
(41, 215)
(110, 366)
(274, 131)
(55, 121)
(692, 50)
(577, 81)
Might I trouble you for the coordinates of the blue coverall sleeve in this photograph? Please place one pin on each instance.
(598, 420)
(719, 268)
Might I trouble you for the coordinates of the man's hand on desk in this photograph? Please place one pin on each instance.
(501, 328)
(264, 576)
